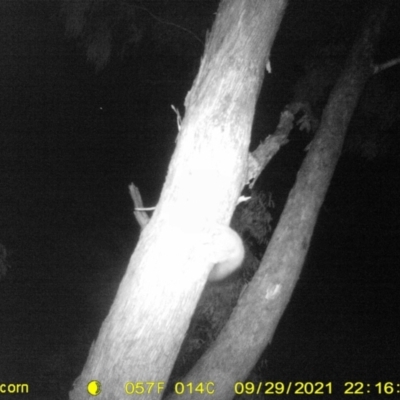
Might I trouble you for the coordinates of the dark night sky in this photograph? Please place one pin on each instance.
(72, 140)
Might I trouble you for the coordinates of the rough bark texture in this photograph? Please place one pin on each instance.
(254, 320)
(141, 336)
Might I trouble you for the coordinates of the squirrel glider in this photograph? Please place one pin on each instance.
(227, 248)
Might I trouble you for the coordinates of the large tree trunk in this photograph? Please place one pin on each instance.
(260, 307)
(142, 334)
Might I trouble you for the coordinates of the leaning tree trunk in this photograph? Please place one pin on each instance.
(141, 336)
(254, 320)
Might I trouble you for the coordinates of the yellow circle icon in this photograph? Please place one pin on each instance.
(94, 388)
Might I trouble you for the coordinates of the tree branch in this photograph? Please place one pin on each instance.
(388, 64)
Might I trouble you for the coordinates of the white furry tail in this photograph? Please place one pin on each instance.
(228, 253)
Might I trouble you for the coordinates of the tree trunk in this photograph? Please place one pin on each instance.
(260, 307)
(141, 336)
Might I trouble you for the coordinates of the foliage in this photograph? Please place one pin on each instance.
(106, 27)
(100, 26)
(371, 130)
(321, 71)
(253, 221)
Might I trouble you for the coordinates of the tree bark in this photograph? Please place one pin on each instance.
(141, 336)
(260, 307)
